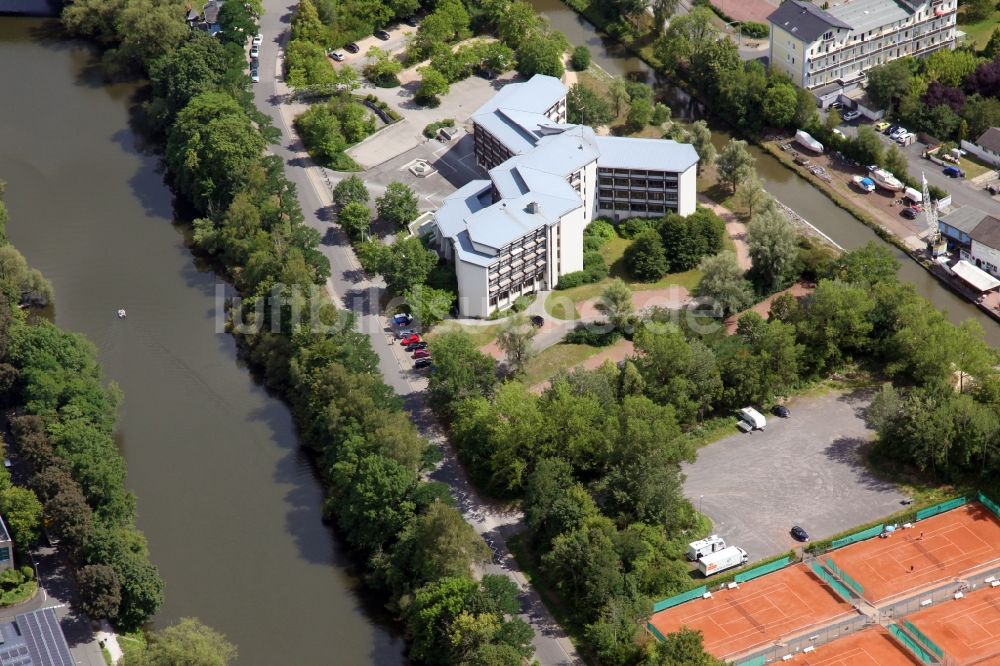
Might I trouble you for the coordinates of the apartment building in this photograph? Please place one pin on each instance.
(519, 231)
(829, 52)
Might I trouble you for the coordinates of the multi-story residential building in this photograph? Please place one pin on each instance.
(522, 229)
(828, 52)
(6, 548)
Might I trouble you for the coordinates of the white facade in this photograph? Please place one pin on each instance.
(830, 51)
(985, 257)
(520, 231)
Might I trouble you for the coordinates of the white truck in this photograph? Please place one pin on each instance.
(752, 419)
(706, 546)
(727, 558)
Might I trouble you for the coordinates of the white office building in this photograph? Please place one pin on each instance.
(829, 52)
(522, 229)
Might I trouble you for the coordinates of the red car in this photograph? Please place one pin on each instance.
(421, 353)
(410, 339)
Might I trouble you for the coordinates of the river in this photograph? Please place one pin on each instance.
(785, 185)
(230, 505)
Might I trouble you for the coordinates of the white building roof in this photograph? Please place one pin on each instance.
(976, 277)
(470, 198)
(865, 15)
(516, 114)
(618, 152)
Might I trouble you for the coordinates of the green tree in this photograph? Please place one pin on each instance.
(662, 11)
(580, 59)
(398, 206)
(586, 107)
(516, 22)
(585, 564)
(22, 512)
(433, 84)
(461, 370)
(237, 20)
(142, 589)
(701, 139)
(542, 54)
(639, 115)
(890, 82)
(950, 67)
(306, 65)
(616, 303)
(618, 89)
(197, 66)
(868, 146)
(895, 161)
(350, 190)
(735, 163)
(992, 48)
(750, 194)
(515, 340)
(976, 10)
(780, 105)
(98, 591)
(405, 265)
(773, 246)
(833, 120)
(307, 25)
(429, 305)
(355, 218)
(981, 113)
(646, 258)
(837, 323)
(686, 35)
(381, 69)
(187, 642)
(722, 281)
(870, 265)
(683, 647)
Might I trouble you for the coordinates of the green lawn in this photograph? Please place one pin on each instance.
(481, 335)
(554, 358)
(980, 31)
(973, 167)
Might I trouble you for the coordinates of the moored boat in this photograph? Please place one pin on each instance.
(806, 140)
(886, 180)
(865, 183)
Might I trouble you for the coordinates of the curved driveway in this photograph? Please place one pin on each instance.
(349, 289)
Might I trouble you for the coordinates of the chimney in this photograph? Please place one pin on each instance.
(533, 207)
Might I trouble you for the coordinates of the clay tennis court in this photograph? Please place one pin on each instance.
(954, 542)
(968, 630)
(871, 647)
(759, 611)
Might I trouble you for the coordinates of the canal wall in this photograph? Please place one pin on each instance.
(31, 7)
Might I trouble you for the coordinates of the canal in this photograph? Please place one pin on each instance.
(230, 505)
(785, 185)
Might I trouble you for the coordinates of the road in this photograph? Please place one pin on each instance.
(350, 290)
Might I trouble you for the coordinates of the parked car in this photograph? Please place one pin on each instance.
(892, 128)
(254, 51)
(411, 21)
(337, 55)
(904, 137)
(851, 116)
(422, 353)
(258, 39)
(401, 319)
(836, 105)
(782, 411)
(537, 321)
(405, 333)
(422, 363)
(410, 340)
(383, 35)
(352, 48)
(909, 213)
(255, 76)
(799, 534)
(898, 132)
(881, 126)
(416, 345)
(953, 172)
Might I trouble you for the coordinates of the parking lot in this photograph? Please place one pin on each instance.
(804, 470)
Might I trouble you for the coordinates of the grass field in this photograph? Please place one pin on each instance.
(980, 31)
(554, 358)
(481, 335)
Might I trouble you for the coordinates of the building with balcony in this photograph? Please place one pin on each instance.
(519, 231)
(829, 52)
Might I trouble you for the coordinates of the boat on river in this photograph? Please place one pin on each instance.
(865, 183)
(886, 180)
(806, 140)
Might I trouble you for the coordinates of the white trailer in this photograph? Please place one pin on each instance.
(753, 418)
(727, 558)
(706, 546)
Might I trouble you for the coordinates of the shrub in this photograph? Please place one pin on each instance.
(521, 303)
(595, 269)
(633, 227)
(599, 232)
(580, 59)
(584, 334)
(431, 130)
(936, 192)
(754, 30)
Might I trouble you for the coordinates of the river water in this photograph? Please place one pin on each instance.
(785, 185)
(229, 503)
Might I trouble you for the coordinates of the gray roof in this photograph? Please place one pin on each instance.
(987, 232)
(516, 114)
(804, 20)
(654, 154)
(210, 12)
(510, 219)
(990, 140)
(470, 198)
(551, 162)
(865, 15)
(964, 219)
(34, 639)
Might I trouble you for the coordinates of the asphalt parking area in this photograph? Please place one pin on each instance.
(803, 470)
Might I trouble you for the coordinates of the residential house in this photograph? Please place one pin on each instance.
(986, 147)
(976, 237)
(829, 51)
(522, 229)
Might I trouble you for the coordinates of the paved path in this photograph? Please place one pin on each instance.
(799, 289)
(350, 290)
(736, 230)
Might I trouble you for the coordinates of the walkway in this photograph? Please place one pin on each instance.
(350, 290)
(736, 230)
(798, 290)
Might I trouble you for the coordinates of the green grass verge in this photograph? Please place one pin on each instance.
(980, 31)
(21, 593)
(107, 657)
(132, 643)
(973, 167)
(712, 430)
(481, 335)
(555, 358)
(562, 305)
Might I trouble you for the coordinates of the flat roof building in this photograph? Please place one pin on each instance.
(522, 229)
(829, 51)
(34, 639)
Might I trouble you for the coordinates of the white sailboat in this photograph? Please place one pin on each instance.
(886, 180)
